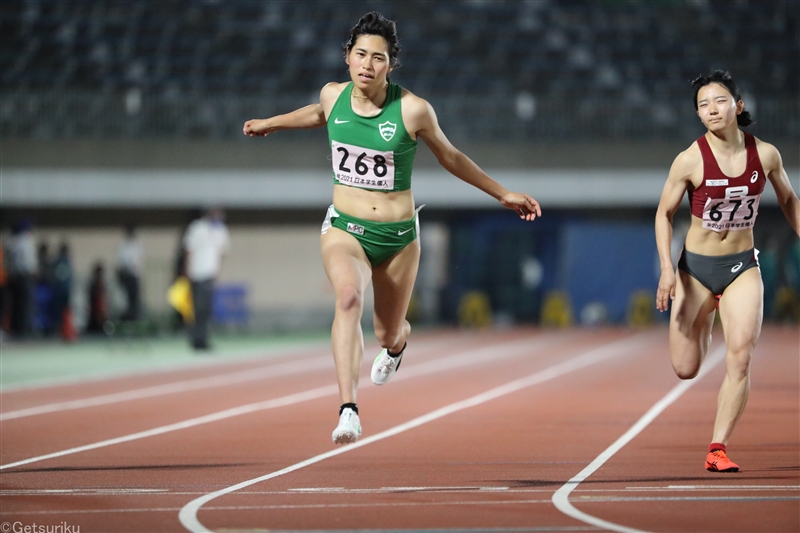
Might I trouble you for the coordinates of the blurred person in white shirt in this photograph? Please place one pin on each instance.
(22, 264)
(129, 268)
(206, 242)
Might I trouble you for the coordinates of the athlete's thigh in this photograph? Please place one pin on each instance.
(344, 259)
(741, 310)
(393, 283)
(691, 320)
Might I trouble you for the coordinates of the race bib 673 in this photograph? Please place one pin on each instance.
(730, 214)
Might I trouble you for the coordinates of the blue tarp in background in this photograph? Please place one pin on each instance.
(607, 262)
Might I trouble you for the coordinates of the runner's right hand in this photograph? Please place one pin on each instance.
(666, 290)
(257, 128)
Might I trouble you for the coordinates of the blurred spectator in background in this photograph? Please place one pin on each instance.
(98, 300)
(62, 294)
(129, 267)
(206, 243)
(178, 320)
(3, 294)
(21, 268)
(44, 266)
(44, 321)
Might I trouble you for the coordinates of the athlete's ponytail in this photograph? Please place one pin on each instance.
(723, 78)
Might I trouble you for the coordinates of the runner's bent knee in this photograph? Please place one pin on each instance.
(686, 369)
(688, 351)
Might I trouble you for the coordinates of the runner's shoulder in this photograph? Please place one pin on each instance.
(418, 114)
(413, 103)
(769, 155)
(332, 90)
(687, 162)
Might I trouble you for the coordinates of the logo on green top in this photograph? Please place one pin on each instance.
(387, 130)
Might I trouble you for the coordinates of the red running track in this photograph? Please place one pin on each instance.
(479, 431)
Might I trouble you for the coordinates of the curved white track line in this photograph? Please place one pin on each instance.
(188, 515)
(561, 496)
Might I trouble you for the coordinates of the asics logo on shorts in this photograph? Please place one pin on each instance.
(737, 267)
(404, 231)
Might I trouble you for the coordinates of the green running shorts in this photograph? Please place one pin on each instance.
(380, 240)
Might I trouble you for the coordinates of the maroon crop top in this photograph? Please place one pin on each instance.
(728, 203)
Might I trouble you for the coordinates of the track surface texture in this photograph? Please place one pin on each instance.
(480, 431)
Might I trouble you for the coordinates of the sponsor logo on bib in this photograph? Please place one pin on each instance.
(387, 130)
(716, 183)
(355, 228)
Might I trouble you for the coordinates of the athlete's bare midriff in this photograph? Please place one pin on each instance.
(707, 242)
(373, 205)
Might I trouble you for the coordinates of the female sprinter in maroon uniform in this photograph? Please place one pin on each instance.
(724, 173)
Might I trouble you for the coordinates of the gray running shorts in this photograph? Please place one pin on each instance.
(717, 272)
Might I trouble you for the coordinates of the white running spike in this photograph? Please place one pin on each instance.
(349, 428)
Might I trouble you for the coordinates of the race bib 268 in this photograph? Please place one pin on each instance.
(361, 167)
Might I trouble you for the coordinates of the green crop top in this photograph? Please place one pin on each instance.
(373, 153)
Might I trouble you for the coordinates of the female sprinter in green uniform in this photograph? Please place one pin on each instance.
(724, 173)
(371, 230)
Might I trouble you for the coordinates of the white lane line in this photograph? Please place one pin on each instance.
(226, 359)
(561, 496)
(221, 380)
(385, 490)
(492, 353)
(600, 499)
(428, 503)
(82, 492)
(188, 515)
(527, 345)
(701, 488)
(91, 511)
(312, 394)
(309, 491)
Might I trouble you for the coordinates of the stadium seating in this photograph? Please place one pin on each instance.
(529, 69)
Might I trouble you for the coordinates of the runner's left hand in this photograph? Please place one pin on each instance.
(526, 207)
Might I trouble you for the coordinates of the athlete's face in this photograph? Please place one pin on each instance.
(369, 61)
(716, 107)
